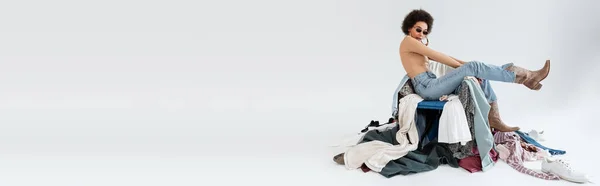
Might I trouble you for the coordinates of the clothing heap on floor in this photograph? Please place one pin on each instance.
(514, 148)
(417, 140)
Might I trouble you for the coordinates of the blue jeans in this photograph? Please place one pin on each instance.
(429, 87)
(488, 91)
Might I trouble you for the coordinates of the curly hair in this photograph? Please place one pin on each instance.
(415, 16)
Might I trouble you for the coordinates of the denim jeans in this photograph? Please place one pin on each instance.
(429, 87)
(488, 91)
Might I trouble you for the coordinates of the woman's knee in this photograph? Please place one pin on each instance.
(474, 64)
(473, 68)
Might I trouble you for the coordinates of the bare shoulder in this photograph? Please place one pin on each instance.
(407, 43)
(406, 40)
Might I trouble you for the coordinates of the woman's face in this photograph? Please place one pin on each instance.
(419, 31)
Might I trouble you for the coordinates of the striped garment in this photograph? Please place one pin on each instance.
(517, 155)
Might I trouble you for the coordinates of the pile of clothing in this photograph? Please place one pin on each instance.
(417, 140)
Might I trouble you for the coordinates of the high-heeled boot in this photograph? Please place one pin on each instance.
(496, 122)
(531, 79)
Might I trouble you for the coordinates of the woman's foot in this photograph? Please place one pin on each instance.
(496, 122)
(531, 79)
(339, 159)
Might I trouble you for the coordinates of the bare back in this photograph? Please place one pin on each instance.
(413, 63)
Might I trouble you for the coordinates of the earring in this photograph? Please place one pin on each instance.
(426, 44)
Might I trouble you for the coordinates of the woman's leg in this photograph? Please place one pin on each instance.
(435, 88)
(494, 114)
(531, 79)
(490, 95)
(496, 122)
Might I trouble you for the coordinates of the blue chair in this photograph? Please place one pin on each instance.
(430, 112)
(433, 105)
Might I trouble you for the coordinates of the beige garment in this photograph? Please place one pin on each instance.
(376, 154)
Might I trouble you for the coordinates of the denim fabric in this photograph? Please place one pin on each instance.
(421, 126)
(530, 140)
(430, 87)
(488, 91)
(483, 135)
(395, 97)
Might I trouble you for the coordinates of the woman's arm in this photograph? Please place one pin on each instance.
(417, 47)
(459, 61)
(462, 63)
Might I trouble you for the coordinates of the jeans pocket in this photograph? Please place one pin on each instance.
(423, 83)
(418, 88)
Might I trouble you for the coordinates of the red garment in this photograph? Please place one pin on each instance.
(473, 163)
(364, 168)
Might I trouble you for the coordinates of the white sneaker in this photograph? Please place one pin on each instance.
(537, 136)
(563, 170)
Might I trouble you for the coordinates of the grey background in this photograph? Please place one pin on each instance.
(238, 92)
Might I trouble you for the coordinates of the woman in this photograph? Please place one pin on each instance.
(414, 56)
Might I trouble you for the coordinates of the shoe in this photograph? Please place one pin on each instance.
(537, 136)
(496, 122)
(373, 123)
(563, 170)
(531, 79)
(391, 120)
(339, 159)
